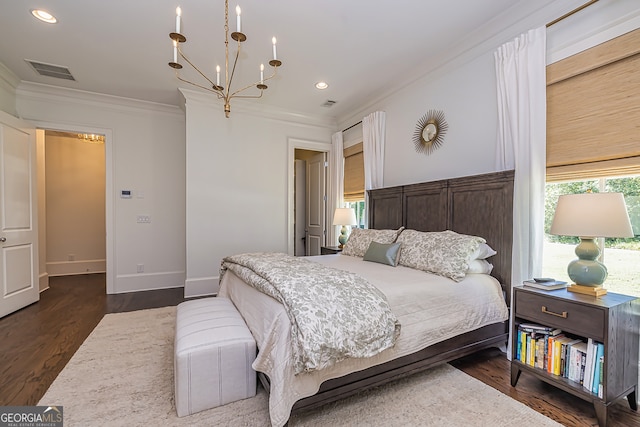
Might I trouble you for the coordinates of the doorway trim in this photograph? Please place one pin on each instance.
(293, 144)
(109, 196)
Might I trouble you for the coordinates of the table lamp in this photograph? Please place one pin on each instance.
(590, 215)
(344, 217)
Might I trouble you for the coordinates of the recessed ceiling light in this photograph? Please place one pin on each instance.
(321, 85)
(44, 16)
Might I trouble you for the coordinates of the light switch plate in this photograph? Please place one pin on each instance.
(143, 219)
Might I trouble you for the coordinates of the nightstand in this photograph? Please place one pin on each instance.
(330, 250)
(612, 319)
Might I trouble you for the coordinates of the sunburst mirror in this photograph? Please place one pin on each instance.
(430, 131)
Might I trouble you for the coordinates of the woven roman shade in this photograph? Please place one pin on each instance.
(353, 173)
(593, 112)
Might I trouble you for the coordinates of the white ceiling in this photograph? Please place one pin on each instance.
(361, 48)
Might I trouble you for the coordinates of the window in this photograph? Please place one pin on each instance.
(354, 181)
(598, 85)
(592, 112)
(360, 208)
(353, 173)
(621, 256)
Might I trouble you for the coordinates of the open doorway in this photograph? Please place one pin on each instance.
(310, 202)
(314, 148)
(73, 206)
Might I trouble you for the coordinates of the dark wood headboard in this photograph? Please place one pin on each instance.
(479, 205)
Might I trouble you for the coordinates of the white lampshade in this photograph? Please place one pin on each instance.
(344, 216)
(592, 215)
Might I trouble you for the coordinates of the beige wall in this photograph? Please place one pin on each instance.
(75, 205)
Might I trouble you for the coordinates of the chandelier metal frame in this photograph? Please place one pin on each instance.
(222, 92)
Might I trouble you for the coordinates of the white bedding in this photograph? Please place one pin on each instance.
(430, 309)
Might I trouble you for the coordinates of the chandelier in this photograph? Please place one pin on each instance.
(223, 92)
(91, 138)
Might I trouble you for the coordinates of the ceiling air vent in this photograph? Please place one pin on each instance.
(329, 103)
(50, 70)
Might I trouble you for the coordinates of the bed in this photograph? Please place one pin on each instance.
(478, 205)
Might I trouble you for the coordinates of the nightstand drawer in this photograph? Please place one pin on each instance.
(587, 321)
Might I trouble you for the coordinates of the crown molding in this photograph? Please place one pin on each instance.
(8, 83)
(256, 109)
(38, 91)
(485, 39)
(596, 35)
(8, 78)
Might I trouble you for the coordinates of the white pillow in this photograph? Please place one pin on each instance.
(481, 266)
(484, 251)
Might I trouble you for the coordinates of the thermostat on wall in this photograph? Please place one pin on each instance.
(125, 194)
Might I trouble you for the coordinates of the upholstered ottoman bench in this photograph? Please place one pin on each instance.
(213, 353)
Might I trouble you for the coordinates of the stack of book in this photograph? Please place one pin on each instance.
(559, 354)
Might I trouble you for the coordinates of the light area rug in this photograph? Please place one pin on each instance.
(122, 375)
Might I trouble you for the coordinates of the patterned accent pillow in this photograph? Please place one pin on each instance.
(445, 253)
(360, 239)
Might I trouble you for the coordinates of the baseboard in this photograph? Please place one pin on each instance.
(148, 281)
(201, 287)
(67, 268)
(43, 282)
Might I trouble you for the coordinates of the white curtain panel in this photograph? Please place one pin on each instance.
(521, 77)
(335, 196)
(373, 138)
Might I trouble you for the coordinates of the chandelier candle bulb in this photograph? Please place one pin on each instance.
(261, 73)
(273, 40)
(175, 51)
(217, 75)
(178, 15)
(238, 23)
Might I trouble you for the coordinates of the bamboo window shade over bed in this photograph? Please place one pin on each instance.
(353, 173)
(593, 111)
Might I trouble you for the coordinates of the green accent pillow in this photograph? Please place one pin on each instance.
(384, 253)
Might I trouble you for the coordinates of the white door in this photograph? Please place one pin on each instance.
(300, 208)
(316, 203)
(18, 215)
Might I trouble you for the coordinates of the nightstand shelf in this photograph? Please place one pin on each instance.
(612, 319)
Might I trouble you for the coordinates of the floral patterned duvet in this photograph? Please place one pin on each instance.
(334, 314)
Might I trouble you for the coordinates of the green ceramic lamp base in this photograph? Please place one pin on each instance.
(343, 236)
(586, 270)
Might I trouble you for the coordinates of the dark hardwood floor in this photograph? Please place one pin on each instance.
(492, 367)
(38, 341)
